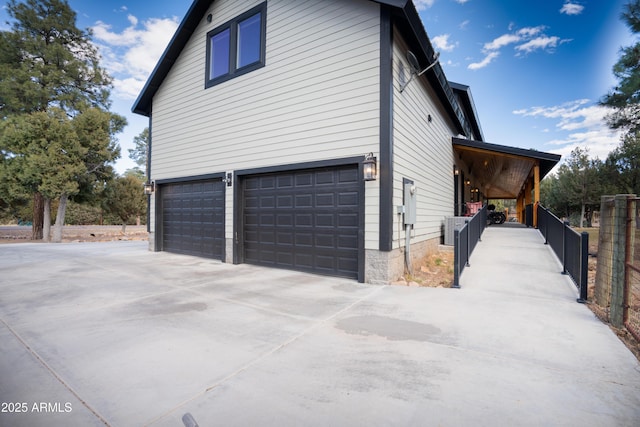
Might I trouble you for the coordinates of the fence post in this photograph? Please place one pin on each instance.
(604, 272)
(456, 259)
(584, 267)
(565, 247)
(616, 315)
(466, 221)
(546, 226)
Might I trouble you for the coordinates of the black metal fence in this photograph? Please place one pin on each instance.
(465, 240)
(571, 248)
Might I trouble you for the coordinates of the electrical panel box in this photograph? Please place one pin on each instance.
(410, 204)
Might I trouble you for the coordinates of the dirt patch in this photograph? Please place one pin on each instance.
(625, 336)
(434, 270)
(601, 312)
(77, 233)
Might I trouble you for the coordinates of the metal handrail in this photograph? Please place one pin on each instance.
(465, 240)
(571, 248)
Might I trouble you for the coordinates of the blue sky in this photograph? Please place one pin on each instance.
(536, 68)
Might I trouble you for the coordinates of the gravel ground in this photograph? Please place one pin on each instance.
(77, 233)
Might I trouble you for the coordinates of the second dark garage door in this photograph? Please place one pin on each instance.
(305, 220)
(193, 218)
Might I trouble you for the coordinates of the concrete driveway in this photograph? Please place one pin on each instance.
(111, 334)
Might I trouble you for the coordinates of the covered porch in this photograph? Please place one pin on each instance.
(485, 171)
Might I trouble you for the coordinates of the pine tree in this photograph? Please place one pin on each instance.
(48, 65)
(624, 99)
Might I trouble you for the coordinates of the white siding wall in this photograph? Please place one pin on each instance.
(422, 152)
(317, 97)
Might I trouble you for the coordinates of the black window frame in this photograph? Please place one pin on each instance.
(232, 25)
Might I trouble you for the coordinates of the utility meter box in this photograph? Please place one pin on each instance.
(410, 204)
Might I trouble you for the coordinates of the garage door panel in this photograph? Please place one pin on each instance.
(193, 218)
(285, 239)
(308, 220)
(267, 202)
(285, 201)
(304, 180)
(285, 181)
(251, 202)
(304, 239)
(327, 241)
(347, 242)
(348, 220)
(267, 219)
(304, 261)
(267, 237)
(304, 201)
(325, 220)
(348, 176)
(346, 199)
(325, 200)
(285, 219)
(304, 220)
(268, 183)
(325, 178)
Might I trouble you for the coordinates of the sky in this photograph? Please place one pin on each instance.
(536, 69)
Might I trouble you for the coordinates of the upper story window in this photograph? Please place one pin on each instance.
(236, 47)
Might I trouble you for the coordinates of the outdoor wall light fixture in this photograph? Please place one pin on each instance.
(468, 182)
(149, 188)
(369, 167)
(228, 179)
(456, 171)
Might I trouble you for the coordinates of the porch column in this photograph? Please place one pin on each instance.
(536, 192)
(519, 210)
(527, 193)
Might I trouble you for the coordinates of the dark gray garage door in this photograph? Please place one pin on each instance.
(304, 220)
(193, 218)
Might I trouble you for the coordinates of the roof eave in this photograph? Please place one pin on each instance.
(142, 105)
(470, 107)
(547, 160)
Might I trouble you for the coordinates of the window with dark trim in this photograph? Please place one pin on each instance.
(236, 47)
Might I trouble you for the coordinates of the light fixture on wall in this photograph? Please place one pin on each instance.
(228, 179)
(369, 167)
(456, 171)
(149, 187)
(468, 182)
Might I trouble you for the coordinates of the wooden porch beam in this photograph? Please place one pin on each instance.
(536, 192)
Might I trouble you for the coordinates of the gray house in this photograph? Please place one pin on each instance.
(265, 117)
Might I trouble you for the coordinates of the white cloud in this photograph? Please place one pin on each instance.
(526, 40)
(531, 31)
(486, 61)
(461, 1)
(130, 55)
(423, 4)
(543, 43)
(580, 124)
(572, 8)
(503, 40)
(464, 24)
(442, 43)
